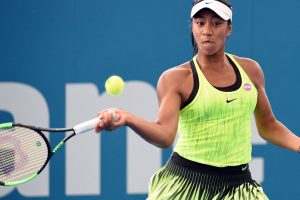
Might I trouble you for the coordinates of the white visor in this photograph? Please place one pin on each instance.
(219, 8)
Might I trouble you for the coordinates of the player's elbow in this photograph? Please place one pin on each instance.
(265, 130)
(168, 141)
(165, 145)
(166, 135)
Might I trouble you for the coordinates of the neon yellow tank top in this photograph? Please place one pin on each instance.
(215, 127)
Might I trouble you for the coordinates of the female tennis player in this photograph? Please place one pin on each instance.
(210, 101)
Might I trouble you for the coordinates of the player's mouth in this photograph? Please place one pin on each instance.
(207, 42)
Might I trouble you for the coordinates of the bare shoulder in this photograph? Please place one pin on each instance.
(176, 81)
(252, 68)
(175, 75)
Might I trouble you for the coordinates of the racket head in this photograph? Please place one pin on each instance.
(24, 152)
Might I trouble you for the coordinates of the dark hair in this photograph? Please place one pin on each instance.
(195, 47)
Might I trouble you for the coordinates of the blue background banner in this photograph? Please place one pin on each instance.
(56, 55)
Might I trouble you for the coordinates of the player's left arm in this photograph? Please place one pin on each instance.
(268, 126)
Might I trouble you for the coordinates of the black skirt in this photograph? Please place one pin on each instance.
(183, 179)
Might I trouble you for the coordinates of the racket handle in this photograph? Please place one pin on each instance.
(91, 124)
(86, 126)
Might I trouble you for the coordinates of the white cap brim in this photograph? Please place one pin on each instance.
(219, 8)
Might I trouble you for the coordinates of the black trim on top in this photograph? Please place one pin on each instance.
(238, 81)
(230, 88)
(195, 87)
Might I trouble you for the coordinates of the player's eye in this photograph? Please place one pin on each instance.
(217, 22)
(200, 22)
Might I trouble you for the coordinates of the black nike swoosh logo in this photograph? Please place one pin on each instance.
(231, 100)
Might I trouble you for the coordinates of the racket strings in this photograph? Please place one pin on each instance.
(23, 152)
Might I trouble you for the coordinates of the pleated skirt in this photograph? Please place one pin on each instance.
(183, 179)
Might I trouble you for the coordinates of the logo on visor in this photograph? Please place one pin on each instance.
(208, 1)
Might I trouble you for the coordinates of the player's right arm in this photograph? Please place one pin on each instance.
(162, 131)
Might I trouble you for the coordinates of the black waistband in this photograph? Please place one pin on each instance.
(195, 166)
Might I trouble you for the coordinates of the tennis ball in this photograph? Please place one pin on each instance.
(114, 85)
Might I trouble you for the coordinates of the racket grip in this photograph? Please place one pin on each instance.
(91, 124)
(86, 126)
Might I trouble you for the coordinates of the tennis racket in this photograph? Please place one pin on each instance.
(25, 151)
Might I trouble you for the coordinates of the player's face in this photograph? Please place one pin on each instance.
(210, 32)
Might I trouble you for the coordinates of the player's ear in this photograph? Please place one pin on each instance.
(229, 29)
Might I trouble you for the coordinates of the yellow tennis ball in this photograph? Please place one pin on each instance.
(114, 85)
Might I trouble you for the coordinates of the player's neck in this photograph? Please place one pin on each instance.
(217, 61)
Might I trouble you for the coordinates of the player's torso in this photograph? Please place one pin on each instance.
(218, 119)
